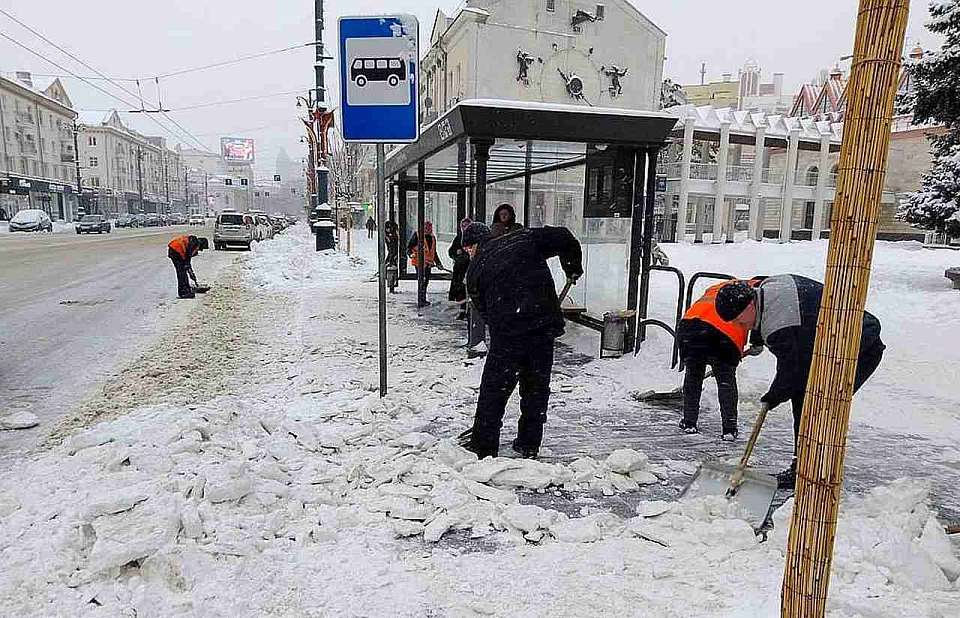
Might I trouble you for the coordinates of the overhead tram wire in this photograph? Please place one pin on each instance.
(229, 62)
(101, 74)
(84, 80)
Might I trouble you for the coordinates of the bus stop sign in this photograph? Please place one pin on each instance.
(379, 63)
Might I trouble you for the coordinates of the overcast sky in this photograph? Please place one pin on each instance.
(141, 38)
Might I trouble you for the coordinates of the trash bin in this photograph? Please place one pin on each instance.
(324, 233)
(613, 338)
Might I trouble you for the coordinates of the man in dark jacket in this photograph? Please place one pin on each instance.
(392, 239)
(504, 221)
(181, 250)
(371, 227)
(784, 310)
(461, 261)
(511, 286)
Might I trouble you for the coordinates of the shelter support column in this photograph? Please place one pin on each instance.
(759, 152)
(644, 185)
(687, 155)
(481, 156)
(820, 197)
(402, 222)
(789, 180)
(720, 190)
(422, 246)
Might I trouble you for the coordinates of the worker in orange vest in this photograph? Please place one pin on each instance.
(427, 261)
(181, 250)
(706, 339)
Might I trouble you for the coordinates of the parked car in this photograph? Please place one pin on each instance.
(93, 223)
(234, 228)
(177, 218)
(127, 221)
(31, 220)
(152, 220)
(265, 225)
(197, 220)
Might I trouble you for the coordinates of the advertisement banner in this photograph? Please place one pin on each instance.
(237, 149)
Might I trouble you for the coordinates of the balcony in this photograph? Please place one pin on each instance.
(24, 118)
(703, 171)
(739, 173)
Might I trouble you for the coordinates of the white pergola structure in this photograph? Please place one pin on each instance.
(756, 159)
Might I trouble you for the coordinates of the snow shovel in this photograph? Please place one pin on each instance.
(201, 289)
(652, 396)
(753, 491)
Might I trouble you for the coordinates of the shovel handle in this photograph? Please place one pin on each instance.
(737, 478)
(565, 290)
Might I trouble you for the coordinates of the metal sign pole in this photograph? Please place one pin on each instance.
(382, 261)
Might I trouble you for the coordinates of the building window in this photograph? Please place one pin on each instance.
(551, 5)
(92, 140)
(600, 11)
(94, 162)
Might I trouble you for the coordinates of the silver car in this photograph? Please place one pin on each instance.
(234, 228)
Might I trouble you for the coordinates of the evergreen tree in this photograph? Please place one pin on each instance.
(936, 99)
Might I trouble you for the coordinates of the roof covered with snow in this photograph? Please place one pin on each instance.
(708, 119)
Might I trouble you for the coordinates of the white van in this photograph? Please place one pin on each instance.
(234, 228)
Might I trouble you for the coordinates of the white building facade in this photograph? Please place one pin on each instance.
(604, 54)
(37, 149)
(123, 171)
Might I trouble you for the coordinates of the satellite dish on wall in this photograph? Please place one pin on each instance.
(428, 103)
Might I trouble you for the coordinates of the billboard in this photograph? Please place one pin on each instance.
(236, 149)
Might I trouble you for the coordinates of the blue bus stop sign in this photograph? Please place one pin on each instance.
(379, 62)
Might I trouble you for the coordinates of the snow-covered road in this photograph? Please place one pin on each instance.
(74, 308)
(258, 473)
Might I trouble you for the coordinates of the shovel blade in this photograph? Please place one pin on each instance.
(753, 498)
(674, 395)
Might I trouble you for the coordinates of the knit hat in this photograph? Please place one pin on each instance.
(475, 234)
(733, 298)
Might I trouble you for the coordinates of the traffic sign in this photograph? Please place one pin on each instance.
(379, 65)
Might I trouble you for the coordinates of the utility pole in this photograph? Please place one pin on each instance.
(76, 159)
(703, 73)
(140, 176)
(320, 161)
(186, 190)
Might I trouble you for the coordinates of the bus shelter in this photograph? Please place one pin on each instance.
(591, 170)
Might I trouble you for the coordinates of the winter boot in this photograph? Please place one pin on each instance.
(788, 478)
(689, 428)
(525, 452)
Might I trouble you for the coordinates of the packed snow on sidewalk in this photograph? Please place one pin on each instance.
(312, 496)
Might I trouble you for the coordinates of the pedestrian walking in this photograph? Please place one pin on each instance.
(181, 250)
(504, 221)
(783, 311)
(371, 227)
(510, 284)
(706, 339)
(461, 260)
(391, 234)
(424, 258)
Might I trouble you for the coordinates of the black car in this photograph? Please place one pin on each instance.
(127, 221)
(93, 223)
(152, 220)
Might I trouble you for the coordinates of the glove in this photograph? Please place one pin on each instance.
(572, 277)
(754, 350)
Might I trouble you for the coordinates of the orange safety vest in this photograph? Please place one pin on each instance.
(429, 254)
(179, 244)
(705, 309)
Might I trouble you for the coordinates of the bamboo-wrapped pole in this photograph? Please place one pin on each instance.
(881, 25)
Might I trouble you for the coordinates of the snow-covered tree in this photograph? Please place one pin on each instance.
(937, 204)
(936, 99)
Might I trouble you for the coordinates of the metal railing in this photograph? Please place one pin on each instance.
(772, 176)
(703, 171)
(672, 170)
(739, 173)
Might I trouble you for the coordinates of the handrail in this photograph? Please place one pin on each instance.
(641, 331)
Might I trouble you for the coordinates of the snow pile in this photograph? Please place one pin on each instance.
(289, 263)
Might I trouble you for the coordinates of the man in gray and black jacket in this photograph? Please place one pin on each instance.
(783, 310)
